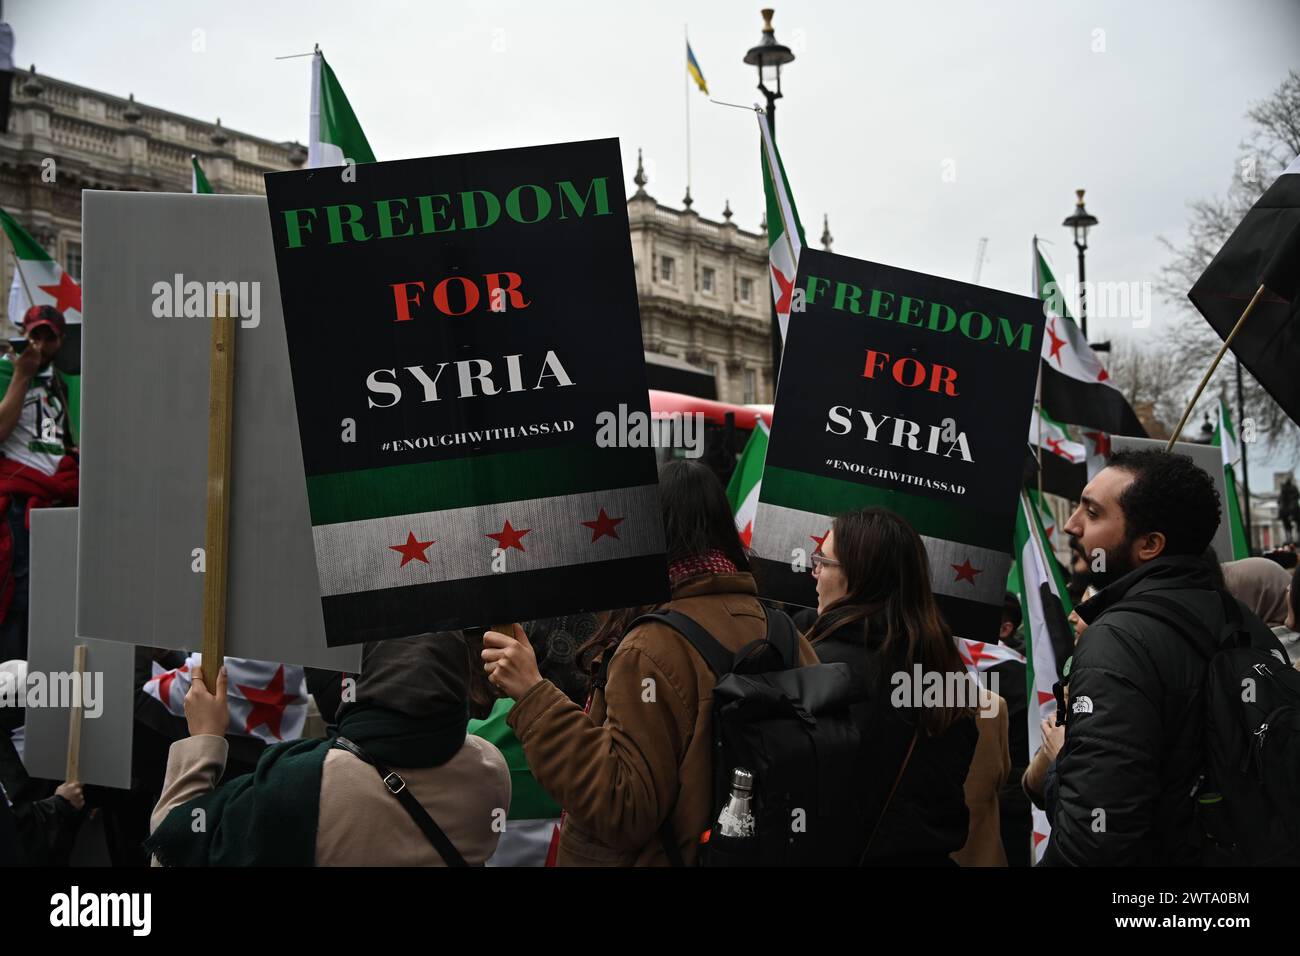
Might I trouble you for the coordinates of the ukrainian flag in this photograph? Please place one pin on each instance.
(693, 69)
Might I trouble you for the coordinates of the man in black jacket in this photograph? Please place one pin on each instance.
(1133, 755)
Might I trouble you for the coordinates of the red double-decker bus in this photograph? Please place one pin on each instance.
(726, 428)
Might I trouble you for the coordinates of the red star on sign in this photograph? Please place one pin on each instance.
(509, 537)
(787, 289)
(1045, 697)
(820, 541)
(413, 550)
(1101, 443)
(1055, 445)
(1039, 837)
(747, 534)
(965, 572)
(1057, 343)
(1049, 529)
(67, 294)
(268, 704)
(165, 682)
(976, 649)
(1103, 375)
(603, 526)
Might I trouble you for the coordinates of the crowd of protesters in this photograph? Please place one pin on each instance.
(591, 740)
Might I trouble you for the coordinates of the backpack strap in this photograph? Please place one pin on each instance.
(783, 635)
(397, 787)
(719, 659)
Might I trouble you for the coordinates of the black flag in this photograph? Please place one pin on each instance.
(1263, 250)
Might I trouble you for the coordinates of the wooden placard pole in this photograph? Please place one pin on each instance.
(221, 402)
(1205, 379)
(73, 772)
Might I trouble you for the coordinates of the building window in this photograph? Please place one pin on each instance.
(751, 386)
(668, 269)
(746, 290)
(73, 260)
(707, 278)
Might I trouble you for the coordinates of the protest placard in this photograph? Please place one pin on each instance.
(905, 391)
(155, 264)
(105, 689)
(457, 327)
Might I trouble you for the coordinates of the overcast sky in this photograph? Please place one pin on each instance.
(1019, 102)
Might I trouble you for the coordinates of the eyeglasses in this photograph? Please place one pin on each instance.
(820, 560)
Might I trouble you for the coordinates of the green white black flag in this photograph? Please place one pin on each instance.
(335, 134)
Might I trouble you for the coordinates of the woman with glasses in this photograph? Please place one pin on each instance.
(876, 612)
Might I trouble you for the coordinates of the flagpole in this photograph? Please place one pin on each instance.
(1038, 386)
(1205, 379)
(21, 278)
(687, 103)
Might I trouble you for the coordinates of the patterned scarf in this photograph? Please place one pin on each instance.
(693, 565)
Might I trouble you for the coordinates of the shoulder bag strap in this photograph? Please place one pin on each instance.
(397, 787)
(889, 799)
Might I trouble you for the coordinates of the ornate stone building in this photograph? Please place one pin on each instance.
(64, 138)
(703, 287)
(704, 293)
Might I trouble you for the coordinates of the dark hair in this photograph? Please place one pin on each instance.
(1171, 495)
(887, 572)
(1011, 610)
(697, 517)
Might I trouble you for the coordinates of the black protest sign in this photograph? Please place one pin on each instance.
(909, 392)
(456, 324)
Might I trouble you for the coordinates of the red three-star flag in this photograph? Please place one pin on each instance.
(268, 704)
(603, 526)
(509, 537)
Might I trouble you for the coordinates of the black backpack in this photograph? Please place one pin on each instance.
(790, 727)
(1249, 792)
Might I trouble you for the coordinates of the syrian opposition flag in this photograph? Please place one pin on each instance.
(335, 136)
(1045, 605)
(266, 700)
(1064, 460)
(785, 239)
(1225, 438)
(1076, 387)
(979, 656)
(40, 280)
(1264, 249)
(199, 184)
(742, 490)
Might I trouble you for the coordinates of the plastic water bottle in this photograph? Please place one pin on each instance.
(737, 817)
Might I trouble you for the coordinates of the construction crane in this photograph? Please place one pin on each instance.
(979, 259)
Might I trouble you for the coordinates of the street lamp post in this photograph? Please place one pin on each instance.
(769, 56)
(1079, 223)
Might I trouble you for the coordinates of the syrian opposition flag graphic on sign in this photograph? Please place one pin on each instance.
(265, 699)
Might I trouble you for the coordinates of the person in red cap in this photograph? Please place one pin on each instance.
(38, 459)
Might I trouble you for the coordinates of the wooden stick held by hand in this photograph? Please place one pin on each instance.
(221, 402)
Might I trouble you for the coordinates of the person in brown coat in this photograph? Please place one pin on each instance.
(989, 770)
(640, 755)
